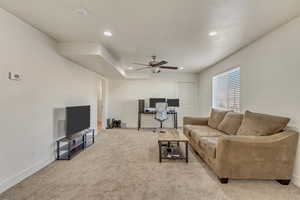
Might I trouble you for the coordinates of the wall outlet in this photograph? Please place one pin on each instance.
(14, 76)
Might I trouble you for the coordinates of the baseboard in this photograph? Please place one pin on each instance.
(296, 180)
(13, 180)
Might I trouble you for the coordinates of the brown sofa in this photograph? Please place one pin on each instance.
(250, 146)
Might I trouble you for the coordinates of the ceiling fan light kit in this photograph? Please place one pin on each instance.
(155, 70)
(155, 66)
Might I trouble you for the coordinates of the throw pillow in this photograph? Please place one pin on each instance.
(216, 116)
(257, 124)
(231, 123)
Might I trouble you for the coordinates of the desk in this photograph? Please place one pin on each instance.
(174, 113)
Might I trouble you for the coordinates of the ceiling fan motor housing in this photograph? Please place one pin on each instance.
(155, 70)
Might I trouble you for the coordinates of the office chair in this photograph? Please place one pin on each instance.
(161, 112)
(161, 115)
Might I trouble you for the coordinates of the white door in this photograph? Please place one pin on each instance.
(187, 94)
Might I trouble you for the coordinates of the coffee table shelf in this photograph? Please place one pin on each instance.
(169, 145)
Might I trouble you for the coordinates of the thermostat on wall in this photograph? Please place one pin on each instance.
(13, 76)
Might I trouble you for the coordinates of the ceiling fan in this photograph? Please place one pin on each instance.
(155, 66)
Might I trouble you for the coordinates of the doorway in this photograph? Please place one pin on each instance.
(187, 95)
(101, 105)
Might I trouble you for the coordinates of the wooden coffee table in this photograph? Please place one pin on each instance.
(171, 137)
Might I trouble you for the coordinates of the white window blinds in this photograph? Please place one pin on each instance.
(226, 90)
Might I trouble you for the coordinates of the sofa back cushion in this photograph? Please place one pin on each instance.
(216, 116)
(257, 124)
(231, 123)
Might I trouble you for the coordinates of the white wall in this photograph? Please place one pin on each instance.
(123, 96)
(270, 70)
(27, 106)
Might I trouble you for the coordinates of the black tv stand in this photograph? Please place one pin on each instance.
(68, 147)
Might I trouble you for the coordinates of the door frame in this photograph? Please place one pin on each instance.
(196, 104)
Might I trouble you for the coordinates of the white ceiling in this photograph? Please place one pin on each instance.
(175, 30)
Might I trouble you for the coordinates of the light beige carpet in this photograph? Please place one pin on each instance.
(123, 165)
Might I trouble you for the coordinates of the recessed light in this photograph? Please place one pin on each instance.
(130, 68)
(181, 68)
(107, 33)
(81, 11)
(213, 33)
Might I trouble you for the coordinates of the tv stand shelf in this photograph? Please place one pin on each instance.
(67, 148)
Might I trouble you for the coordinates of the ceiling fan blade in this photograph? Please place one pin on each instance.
(160, 63)
(168, 67)
(141, 64)
(142, 68)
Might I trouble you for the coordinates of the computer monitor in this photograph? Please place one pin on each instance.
(153, 101)
(173, 102)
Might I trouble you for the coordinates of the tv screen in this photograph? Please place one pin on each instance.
(173, 102)
(78, 119)
(153, 101)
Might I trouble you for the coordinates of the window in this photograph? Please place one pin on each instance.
(226, 90)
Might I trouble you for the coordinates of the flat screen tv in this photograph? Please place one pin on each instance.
(77, 119)
(173, 102)
(153, 101)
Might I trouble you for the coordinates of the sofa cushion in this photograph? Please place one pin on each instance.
(231, 123)
(209, 145)
(216, 116)
(261, 124)
(204, 131)
(188, 128)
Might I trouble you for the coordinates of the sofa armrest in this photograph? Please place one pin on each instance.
(256, 155)
(195, 120)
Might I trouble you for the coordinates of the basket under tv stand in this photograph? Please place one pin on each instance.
(68, 147)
